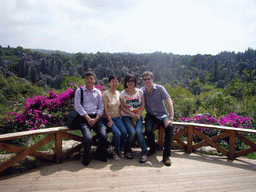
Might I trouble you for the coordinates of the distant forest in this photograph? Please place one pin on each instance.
(227, 75)
(48, 68)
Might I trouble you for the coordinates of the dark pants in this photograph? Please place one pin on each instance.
(150, 122)
(100, 130)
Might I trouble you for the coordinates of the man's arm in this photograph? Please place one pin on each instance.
(171, 111)
(99, 111)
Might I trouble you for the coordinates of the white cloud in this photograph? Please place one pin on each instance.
(180, 27)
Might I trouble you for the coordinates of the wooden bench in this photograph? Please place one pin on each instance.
(58, 133)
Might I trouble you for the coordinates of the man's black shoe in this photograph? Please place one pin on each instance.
(100, 157)
(167, 161)
(86, 159)
(151, 152)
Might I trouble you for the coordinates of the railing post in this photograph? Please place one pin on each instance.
(58, 146)
(232, 144)
(161, 137)
(190, 139)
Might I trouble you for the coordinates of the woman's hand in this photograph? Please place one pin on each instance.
(110, 123)
(137, 116)
(133, 115)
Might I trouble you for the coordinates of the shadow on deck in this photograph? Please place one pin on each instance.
(189, 172)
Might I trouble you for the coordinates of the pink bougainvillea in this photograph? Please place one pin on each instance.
(46, 111)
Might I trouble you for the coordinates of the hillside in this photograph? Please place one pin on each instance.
(50, 69)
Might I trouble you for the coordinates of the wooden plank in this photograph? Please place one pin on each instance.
(232, 144)
(176, 137)
(211, 142)
(181, 133)
(15, 149)
(71, 151)
(189, 172)
(72, 136)
(214, 127)
(58, 146)
(25, 153)
(180, 142)
(10, 136)
(244, 152)
(246, 140)
(214, 138)
(161, 131)
(10, 148)
(190, 139)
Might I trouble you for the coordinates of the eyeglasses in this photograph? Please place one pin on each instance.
(148, 79)
(132, 81)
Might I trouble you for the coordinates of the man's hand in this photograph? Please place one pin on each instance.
(92, 122)
(167, 122)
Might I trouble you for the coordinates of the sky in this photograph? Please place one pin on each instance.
(184, 27)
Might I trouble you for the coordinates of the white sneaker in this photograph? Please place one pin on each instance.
(116, 157)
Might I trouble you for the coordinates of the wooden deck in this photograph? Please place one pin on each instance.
(189, 172)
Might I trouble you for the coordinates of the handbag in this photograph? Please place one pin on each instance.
(74, 118)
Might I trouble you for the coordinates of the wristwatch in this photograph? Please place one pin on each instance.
(171, 118)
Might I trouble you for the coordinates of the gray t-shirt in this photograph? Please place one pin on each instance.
(154, 101)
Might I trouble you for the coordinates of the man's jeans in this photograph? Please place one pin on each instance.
(119, 132)
(150, 122)
(100, 130)
(132, 131)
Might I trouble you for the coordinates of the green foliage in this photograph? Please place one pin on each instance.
(71, 79)
(184, 102)
(195, 82)
(18, 90)
(185, 106)
(218, 104)
(120, 87)
(13, 93)
(176, 92)
(233, 86)
(207, 88)
(78, 58)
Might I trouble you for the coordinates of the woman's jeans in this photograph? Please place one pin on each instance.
(100, 130)
(132, 131)
(119, 132)
(150, 122)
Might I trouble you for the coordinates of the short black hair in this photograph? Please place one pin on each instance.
(127, 78)
(113, 77)
(89, 73)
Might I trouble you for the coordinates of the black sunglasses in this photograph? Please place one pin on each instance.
(146, 79)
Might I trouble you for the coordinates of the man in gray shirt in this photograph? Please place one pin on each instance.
(155, 95)
(91, 111)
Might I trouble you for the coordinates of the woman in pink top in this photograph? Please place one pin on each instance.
(132, 105)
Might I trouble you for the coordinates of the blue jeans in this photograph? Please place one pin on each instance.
(100, 130)
(132, 131)
(150, 122)
(119, 132)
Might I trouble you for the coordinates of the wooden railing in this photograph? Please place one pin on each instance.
(58, 133)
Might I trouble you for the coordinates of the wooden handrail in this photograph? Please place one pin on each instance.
(57, 133)
(214, 127)
(10, 136)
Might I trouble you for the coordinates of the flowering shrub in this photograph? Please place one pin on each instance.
(46, 111)
(203, 119)
(231, 120)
